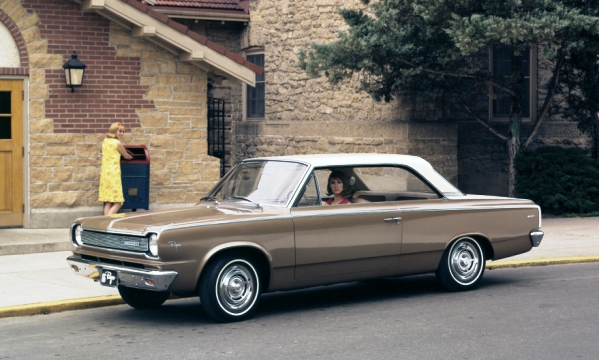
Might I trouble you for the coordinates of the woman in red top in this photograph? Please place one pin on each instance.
(338, 186)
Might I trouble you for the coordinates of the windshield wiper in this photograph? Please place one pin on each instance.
(244, 198)
(209, 198)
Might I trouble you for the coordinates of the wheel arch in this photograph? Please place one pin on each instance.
(482, 240)
(256, 252)
(485, 244)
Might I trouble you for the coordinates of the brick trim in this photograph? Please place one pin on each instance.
(21, 46)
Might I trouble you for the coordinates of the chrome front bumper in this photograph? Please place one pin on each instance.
(135, 278)
(535, 237)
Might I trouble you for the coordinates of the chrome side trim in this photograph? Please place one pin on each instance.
(472, 208)
(134, 278)
(225, 222)
(353, 213)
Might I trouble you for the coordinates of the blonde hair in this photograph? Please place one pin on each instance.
(113, 129)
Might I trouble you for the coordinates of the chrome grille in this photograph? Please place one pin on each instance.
(115, 241)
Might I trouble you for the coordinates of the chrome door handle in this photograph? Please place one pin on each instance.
(396, 219)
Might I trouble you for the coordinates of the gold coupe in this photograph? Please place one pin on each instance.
(268, 226)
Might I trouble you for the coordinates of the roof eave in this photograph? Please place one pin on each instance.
(175, 38)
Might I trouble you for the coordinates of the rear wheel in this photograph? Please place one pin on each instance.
(230, 288)
(143, 299)
(462, 265)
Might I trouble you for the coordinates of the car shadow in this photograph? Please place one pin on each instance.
(189, 311)
(348, 293)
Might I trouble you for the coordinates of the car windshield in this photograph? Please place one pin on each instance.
(261, 182)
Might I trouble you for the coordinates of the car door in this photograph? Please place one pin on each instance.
(344, 239)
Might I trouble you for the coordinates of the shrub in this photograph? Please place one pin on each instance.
(559, 180)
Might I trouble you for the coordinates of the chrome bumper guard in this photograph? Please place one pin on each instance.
(535, 237)
(134, 278)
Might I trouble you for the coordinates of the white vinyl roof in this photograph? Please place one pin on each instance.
(416, 163)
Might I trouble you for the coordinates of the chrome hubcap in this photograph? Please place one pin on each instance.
(235, 288)
(465, 262)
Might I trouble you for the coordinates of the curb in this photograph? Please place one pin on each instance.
(110, 300)
(541, 262)
(59, 306)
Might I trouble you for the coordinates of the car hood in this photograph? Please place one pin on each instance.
(157, 220)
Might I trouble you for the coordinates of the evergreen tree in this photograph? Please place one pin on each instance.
(438, 51)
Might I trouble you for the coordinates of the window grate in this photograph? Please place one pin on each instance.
(216, 131)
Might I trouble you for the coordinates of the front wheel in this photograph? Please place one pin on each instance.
(462, 265)
(143, 299)
(230, 288)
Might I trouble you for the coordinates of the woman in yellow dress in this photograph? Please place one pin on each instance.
(111, 187)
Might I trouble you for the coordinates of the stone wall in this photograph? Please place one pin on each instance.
(162, 101)
(306, 115)
(283, 28)
(436, 142)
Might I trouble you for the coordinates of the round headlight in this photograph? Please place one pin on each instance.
(154, 245)
(77, 235)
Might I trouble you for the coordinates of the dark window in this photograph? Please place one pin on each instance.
(255, 95)
(502, 66)
(5, 121)
(4, 102)
(5, 132)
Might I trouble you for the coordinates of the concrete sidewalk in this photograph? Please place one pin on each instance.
(35, 277)
(30, 241)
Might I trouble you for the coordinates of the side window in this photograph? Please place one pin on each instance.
(390, 184)
(310, 196)
(378, 184)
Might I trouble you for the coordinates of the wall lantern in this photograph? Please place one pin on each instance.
(73, 71)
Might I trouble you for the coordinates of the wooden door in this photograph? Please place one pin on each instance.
(11, 153)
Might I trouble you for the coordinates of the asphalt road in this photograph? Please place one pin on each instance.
(525, 313)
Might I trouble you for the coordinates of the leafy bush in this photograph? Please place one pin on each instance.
(559, 180)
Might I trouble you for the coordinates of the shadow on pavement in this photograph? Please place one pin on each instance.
(186, 311)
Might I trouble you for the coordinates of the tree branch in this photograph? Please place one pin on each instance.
(486, 81)
(482, 122)
(546, 104)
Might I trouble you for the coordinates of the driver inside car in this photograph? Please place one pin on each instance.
(338, 186)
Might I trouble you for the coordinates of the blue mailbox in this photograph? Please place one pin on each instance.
(135, 175)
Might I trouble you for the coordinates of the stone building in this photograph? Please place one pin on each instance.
(143, 69)
(182, 73)
(303, 115)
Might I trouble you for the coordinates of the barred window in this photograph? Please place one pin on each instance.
(255, 95)
(502, 63)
